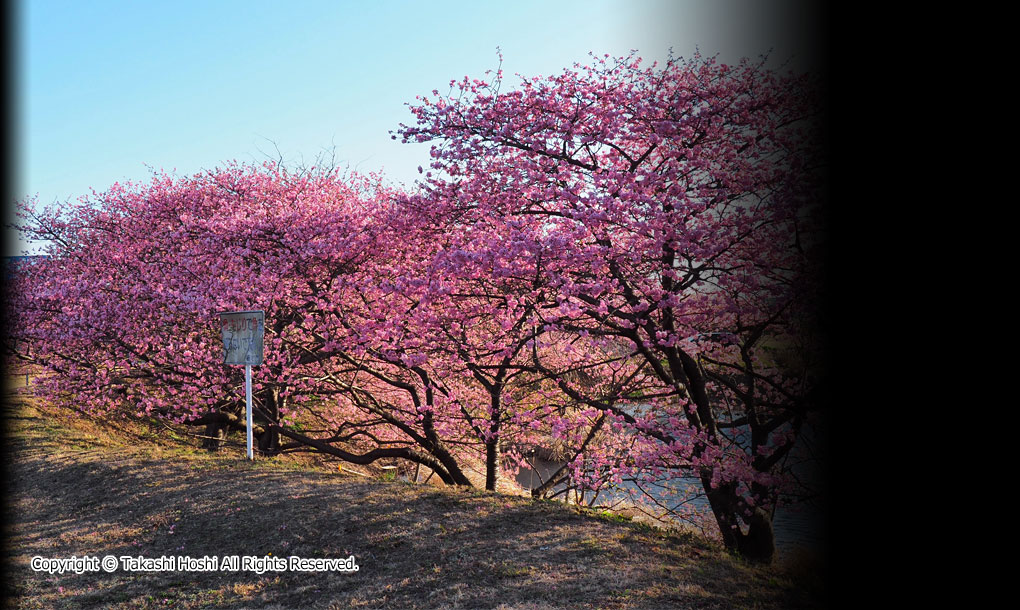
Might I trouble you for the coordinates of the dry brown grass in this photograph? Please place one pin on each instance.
(77, 488)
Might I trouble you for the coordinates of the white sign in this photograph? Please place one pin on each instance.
(243, 335)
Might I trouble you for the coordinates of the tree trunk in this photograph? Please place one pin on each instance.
(492, 445)
(215, 434)
(759, 543)
(406, 453)
(437, 448)
(491, 463)
(269, 441)
(441, 453)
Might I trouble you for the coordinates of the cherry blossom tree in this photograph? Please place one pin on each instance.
(123, 312)
(682, 201)
(387, 337)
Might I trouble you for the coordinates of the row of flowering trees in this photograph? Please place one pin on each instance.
(619, 260)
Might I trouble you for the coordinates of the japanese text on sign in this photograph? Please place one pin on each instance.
(243, 333)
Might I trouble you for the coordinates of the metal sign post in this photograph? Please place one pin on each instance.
(243, 338)
(247, 406)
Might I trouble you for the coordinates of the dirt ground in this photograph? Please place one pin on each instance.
(78, 489)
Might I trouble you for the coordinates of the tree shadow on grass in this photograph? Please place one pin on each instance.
(416, 547)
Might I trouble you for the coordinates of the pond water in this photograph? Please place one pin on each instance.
(796, 526)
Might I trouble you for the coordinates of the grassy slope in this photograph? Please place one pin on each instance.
(78, 489)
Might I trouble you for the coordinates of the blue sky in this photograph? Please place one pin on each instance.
(105, 89)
